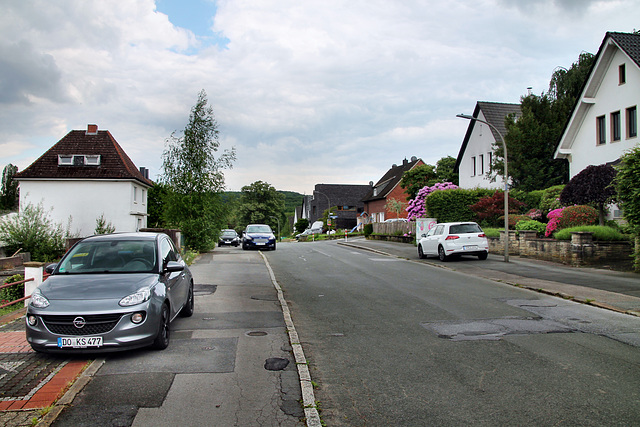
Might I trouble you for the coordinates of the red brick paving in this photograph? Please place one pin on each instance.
(15, 342)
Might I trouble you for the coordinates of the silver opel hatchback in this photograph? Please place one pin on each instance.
(111, 292)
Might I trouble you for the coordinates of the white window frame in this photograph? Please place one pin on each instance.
(65, 160)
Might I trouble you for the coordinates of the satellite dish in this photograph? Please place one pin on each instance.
(370, 183)
(414, 158)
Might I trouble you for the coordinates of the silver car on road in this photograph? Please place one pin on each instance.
(111, 292)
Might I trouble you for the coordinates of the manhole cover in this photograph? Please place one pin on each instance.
(256, 333)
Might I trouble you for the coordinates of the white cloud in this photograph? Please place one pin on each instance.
(308, 92)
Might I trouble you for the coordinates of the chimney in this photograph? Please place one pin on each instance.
(92, 129)
(144, 171)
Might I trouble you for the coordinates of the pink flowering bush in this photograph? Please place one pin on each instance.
(416, 208)
(554, 219)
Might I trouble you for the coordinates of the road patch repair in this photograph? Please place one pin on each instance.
(30, 380)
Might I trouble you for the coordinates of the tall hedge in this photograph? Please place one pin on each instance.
(454, 205)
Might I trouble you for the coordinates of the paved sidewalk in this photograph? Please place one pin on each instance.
(30, 382)
(586, 285)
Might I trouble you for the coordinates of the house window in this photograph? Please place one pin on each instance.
(65, 160)
(135, 194)
(632, 122)
(615, 126)
(473, 165)
(601, 130)
(490, 157)
(622, 74)
(143, 196)
(481, 164)
(92, 160)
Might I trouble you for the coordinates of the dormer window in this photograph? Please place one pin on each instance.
(78, 160)
(65, 160)
(92, 160)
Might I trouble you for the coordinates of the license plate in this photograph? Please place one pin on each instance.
(79, 342)
(470, 247)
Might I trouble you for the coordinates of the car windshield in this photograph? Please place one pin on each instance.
(229, 234)
(258, 229)
(465, 228)
(113, 256)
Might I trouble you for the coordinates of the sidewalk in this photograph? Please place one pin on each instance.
(586, 285)
(30, 382)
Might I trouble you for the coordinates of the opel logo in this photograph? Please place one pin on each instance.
(79, 322)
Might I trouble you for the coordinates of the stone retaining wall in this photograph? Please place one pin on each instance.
(580, 251)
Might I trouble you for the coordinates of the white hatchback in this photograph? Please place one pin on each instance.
(454, 238)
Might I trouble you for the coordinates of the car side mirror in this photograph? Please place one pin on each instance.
(173, 266)
(423, 235)
(49, 268)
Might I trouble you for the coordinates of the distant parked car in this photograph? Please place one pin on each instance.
(396, 220)
(258, 236)
(229, 237)
(111, 292)
(454, 238)
(307, 232)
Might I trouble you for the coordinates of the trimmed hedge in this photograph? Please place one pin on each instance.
(602, 233)
(454, 205)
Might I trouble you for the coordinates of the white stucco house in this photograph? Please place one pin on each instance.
(84, 176)
(473, 163)
(604, 121)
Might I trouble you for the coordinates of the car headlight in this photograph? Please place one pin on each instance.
(136, 298)
(38, 300)
(249, 238)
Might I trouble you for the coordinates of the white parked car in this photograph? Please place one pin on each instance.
(454, 238)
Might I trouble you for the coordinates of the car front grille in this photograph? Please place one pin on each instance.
(94, 324)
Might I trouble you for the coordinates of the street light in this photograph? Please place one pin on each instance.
(506, 183)
(277, 219)
(328, 201)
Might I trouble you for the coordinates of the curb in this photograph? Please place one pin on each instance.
(308, 397)
(71, 393)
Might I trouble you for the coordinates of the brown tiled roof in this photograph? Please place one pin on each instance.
(114, 162)
(389, 181)
(628, 42)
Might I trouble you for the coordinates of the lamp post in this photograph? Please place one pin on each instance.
(277, 219)
(506, 183)
(328, 201)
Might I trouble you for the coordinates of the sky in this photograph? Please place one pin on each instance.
(306, 92)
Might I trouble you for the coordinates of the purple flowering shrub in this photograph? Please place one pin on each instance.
(416, 208)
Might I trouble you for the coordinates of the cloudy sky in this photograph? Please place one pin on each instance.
(312, 91)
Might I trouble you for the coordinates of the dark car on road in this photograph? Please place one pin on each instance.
(258, 236)
(229, 237)
(111, 292)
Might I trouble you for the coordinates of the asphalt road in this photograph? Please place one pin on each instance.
(395, 342)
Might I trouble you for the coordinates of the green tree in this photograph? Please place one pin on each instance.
(592, 186)
(260, 203)
(445, 170)
(9, 191)
(626, 183)
(532, 138)
(156, 198)
(301, 225)
(420, 176)
(194, 178)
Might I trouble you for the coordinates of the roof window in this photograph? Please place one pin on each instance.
(78, 160)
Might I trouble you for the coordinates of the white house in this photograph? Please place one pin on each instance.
(474, 159)
(84, 176)
(604, 121)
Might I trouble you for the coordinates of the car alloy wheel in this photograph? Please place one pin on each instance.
(162, 339)
(441, 255)
(187, 310)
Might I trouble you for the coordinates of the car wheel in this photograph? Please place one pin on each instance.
(420, 252)
(441, 255)
(162, 339)
(483, 256)
(244, 247)
(187, 310)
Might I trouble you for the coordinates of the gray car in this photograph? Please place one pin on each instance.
(111, 292)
